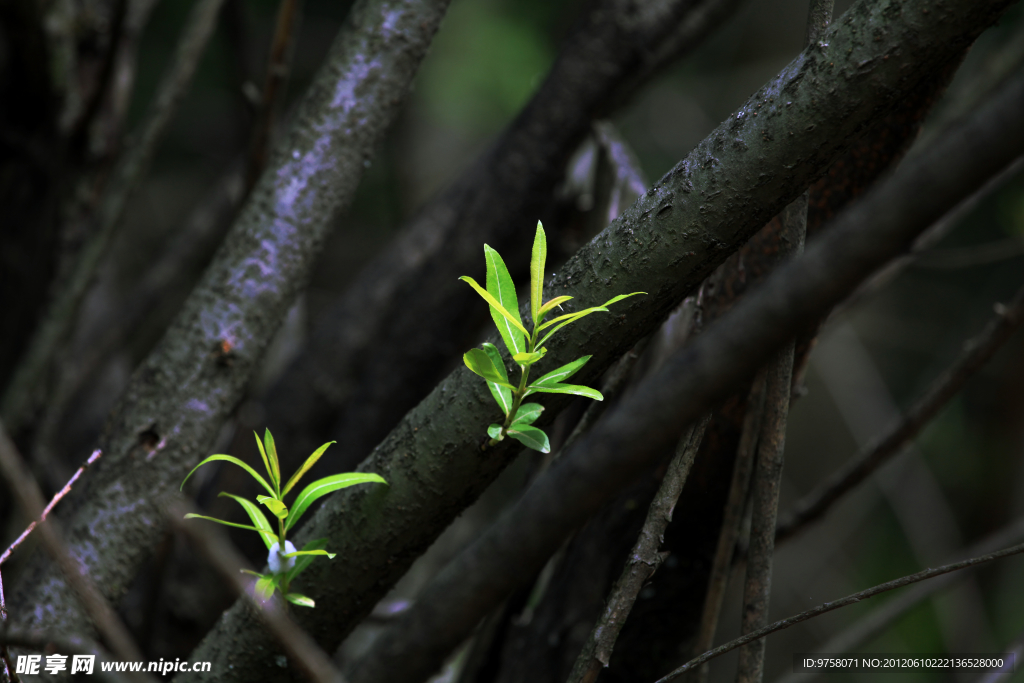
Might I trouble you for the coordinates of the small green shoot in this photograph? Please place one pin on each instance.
(524, 347)
(285, 562)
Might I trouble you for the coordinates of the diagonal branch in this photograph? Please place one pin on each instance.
(198, 373)
(358, 374)
(667, 243)
(632, 435)
(977, 351)
(843, 602)
(27, 493)
(644, 560)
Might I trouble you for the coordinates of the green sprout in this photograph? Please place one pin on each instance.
(285, 562)
(525, 347)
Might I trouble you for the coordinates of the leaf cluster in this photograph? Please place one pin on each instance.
(525, 347)
(285, 562)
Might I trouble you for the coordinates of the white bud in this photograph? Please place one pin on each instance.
(274, 557)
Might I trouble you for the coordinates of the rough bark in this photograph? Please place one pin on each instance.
(360, 374)
(666, 244)
(659, 629)
(634, 435)
(178, 399)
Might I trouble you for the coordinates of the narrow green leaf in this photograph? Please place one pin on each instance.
(265, 587)
(263, 454)
(321, 487)
(303, 561)
(620, 297)
(573, 389)
(531, 437)
(262, 525)
(537, 259)
(279, 509)
(479, 362)
(193, 515)
(494, 431)
(310, 461)
(252, 573)
(511, 337)
(232, 459)
(557, 301)
(501, 287)
(502, 393)
(268, 440)
(570, 318)
(297, 553)
(528, 358)
(527, 414)
(562, 373)
(300, 600)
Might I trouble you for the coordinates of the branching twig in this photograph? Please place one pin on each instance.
(26, 492)
(221, 553)
(978, 350)
(644, 560)
(23, 392)
(288, 19)
(732, 520)
(843, 602)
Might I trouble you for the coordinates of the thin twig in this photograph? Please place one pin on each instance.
(731, 521)
(46, 511)
(877, 621)
(926, 240)
(977, 351)
(644, 560)
(278, 67)
(19, 401)
(227, 560)
(26, 492)
(768, 468)
(843, 602)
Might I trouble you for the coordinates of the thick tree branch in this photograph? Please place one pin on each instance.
(358, 374)
(666, 244)
(862, 238)
(198, 373)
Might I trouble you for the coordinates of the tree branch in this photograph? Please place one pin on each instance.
(633, 434)
(667, 243)
(195, 377)
(872, 624)
(843, 602)
(358, 374)
(644, 560)
(977, 351)
(26, 491)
